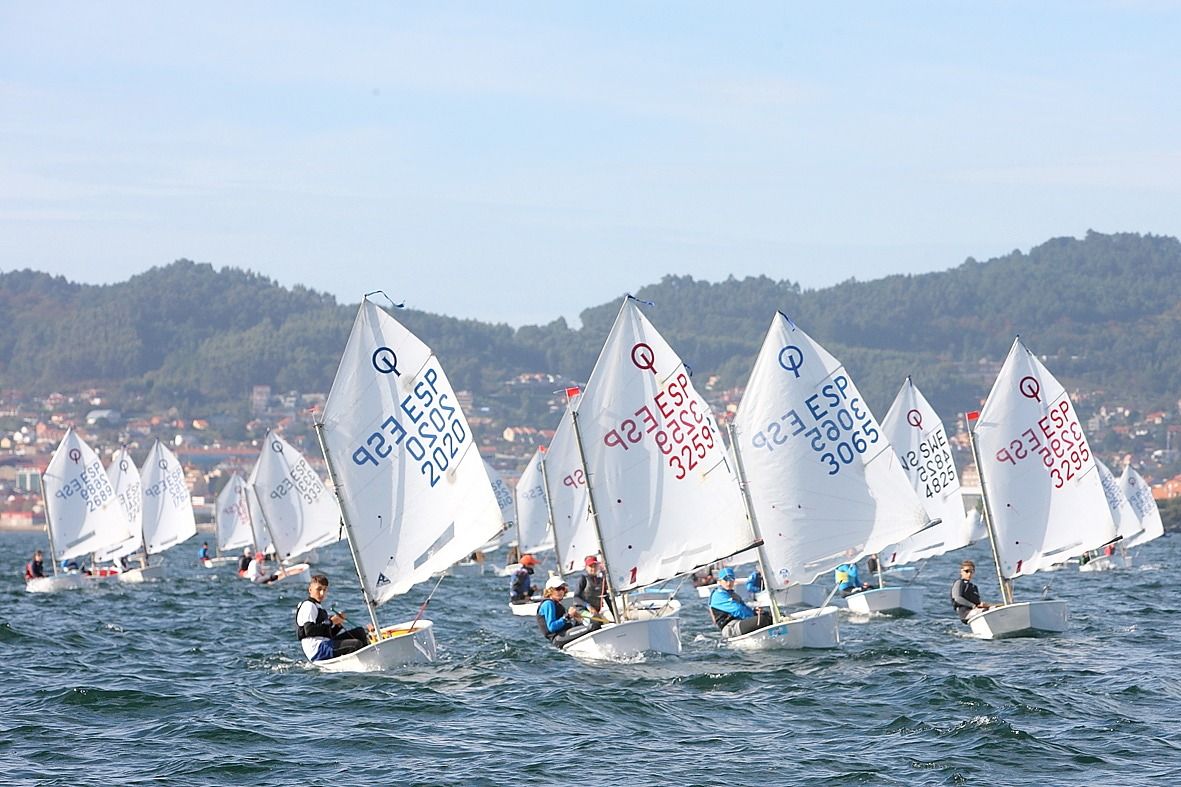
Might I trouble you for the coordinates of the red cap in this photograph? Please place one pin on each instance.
(591, 560)
(528, 560)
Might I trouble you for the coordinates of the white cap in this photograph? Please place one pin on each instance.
(555, 582)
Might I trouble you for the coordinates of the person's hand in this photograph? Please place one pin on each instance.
(337, 619)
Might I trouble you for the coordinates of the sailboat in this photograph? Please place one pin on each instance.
(661, 496)
(1139, 494)
(474, 565)
(1043, 497)
(1127, 526)
(411, 483)
(915, 430)
(822, 482)
(235, 525)
(124, 477)
(81, 511)
(534, 532)
(167, 510)
(298, 513)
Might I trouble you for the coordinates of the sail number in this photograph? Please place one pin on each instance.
(931, 463)
(173, 483)
(1057, 440)
(436, 430)
(682, 432)
(836, 425)
(302, 479)
(92, 485)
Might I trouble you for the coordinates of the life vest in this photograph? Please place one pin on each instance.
(545, 632)
(722, 617)
(320, 627)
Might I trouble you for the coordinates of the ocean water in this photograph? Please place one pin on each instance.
(199, 679)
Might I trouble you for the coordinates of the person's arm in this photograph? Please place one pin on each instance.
(957, 596)
(305, 620)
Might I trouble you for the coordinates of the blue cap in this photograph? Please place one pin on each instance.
(726, 573)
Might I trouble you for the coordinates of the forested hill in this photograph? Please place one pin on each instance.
(1105, 310)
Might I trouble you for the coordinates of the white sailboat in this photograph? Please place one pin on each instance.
(824, 485)
(475, 565)
(1139, 494)
(1043, 498)
(298, 513)
(915, 430)
(661, 495)
(411, 483)
(1127, 526)
(235, 527)
(534, 532)
(81, 511)
(124, 477)
(167, 510)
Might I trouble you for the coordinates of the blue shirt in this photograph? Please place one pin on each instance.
(754, 583)
(721, 600)
(847, 577)
(555, 622)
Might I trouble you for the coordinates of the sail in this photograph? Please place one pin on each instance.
(532, 509)
(1139, 494)
(410, 479)
(80, 502)
(124, 476)
(168, 506)
(504, 500)
(573, 527)
(1044, 495)
(666, 498)
(1123, 515)
(919, 439)
(824, 484)
(297, 510)
(234, 529)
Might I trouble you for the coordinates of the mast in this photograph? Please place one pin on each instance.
(594, 513)
(764, 561)
(48, 526)
(319, 427)
(1006, 585)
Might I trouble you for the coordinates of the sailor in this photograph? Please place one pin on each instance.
(848, 579)
(35, 568)
(730, 614)
(590, 588)
(203, 552)
(965, 596)
(257, 570)
(244, 561)
(556, 624)
(754, 583)
(321, 635)
(521, 585)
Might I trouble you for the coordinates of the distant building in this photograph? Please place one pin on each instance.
(104, 418)
(260, 399)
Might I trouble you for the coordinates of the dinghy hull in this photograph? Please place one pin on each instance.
(897, 601)
(526, 610)
(629, 640)
(1107, 563)
(1027, 619)
(137, 575)
(407, 645)
(810, 629)
(55, 584)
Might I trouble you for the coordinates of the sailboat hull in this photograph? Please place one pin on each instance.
(629, 640)
(1027, 619)
(897, 601)
(810, 629)
(1107, 563)
(137, 575)
(55, 584)
(526, 610)
(468, 568)
(403, 644)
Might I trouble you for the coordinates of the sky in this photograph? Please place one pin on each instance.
(518, 162)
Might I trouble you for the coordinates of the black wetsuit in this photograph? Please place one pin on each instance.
(964, 597)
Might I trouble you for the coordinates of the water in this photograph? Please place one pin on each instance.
(199, 680)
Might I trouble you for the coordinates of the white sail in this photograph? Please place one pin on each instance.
(81, 505)
(1139, 494)
(504, 501)
(917, 434)
(666, 497)
(825, 485)
(168, 505)
(1045, 497)
(573, 526)
(298, 512)
(124, 476)
(1123, 515)
(410, 479)
(532, 509)
(234, 529)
